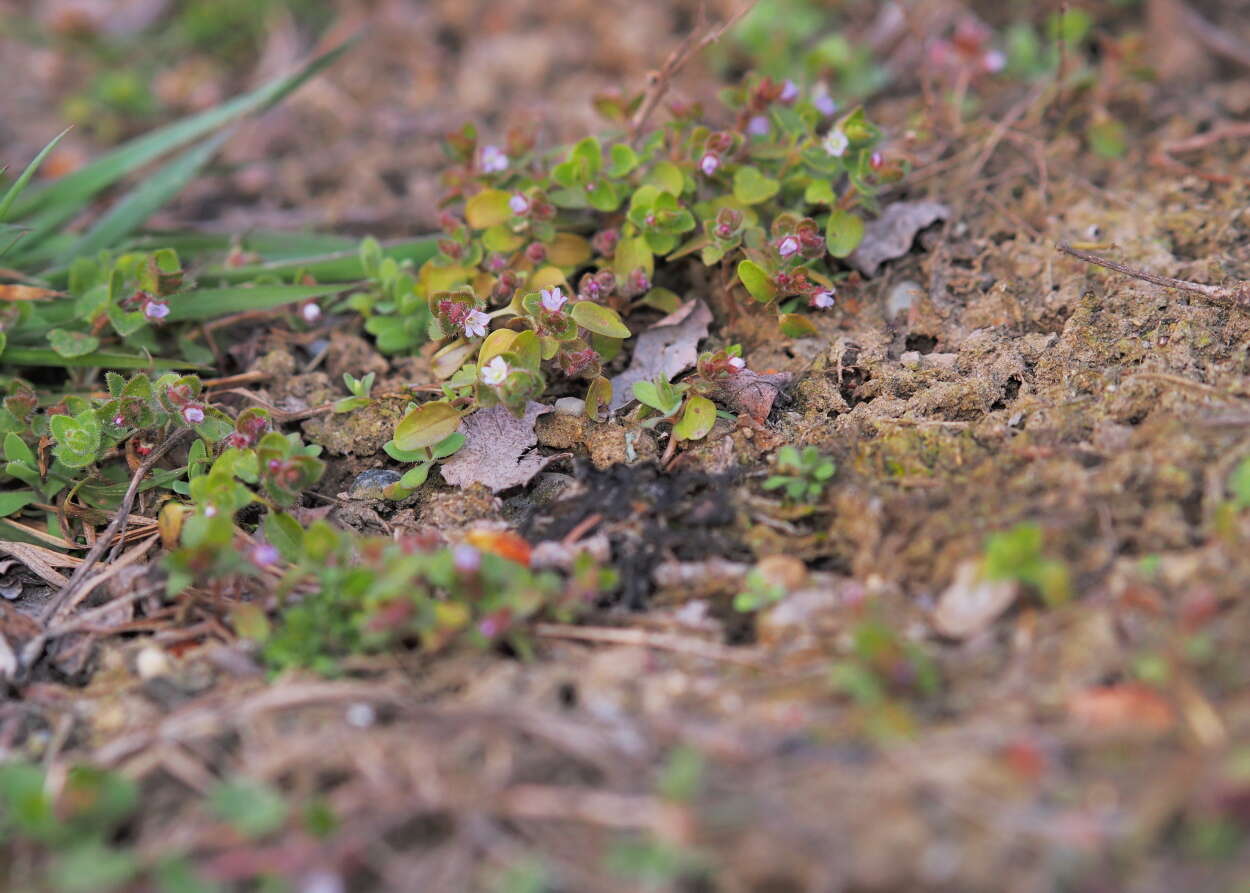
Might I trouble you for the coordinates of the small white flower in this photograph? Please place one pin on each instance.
(789, 91)
(993, 61)
(466, 558)
(759, 126)
(708, 164)
(553, 299)
(311, 312)
(193, 414)
(475, 324)
(210, 511)
(738, 363)
(788, 246)
(822, 300)
(264, 554)
(495, 372)
(518, 204)
(492, 160)
(836, 142)
(155, 311)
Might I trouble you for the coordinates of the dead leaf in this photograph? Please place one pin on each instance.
(970, 604)
(497, 452)
(40, 561)
(26, 293)
(751, 392)
(671, 346)
(891, 234)
(1129, 708)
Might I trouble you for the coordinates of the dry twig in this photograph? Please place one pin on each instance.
(1229, 295)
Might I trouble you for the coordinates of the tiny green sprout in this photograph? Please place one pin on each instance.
(802, 476)
(360, 389)
(758, 592)
(1017, 554)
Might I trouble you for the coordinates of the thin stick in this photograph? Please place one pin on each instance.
(660, 81)
(1235, 296)
(611, 635)
(119, 521)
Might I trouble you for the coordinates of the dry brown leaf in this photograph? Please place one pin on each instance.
(891, 234)
(40, 561)
(498, 451)
(26, 293)
(1129, 708)
(970, 604)
(670, 347)
(751, 392)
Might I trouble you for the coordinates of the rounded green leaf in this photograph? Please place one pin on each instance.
(843, 232)
(488, 208)
(751, 187)
(599, 319)
(427, 425)
(796, 325)
(697, 420)
(72, 344)
(757, 281)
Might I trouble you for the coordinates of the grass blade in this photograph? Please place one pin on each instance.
(61, 200)
(145, 199)
(338, 266)
(211, 303)
(46, 356)
(20, 183)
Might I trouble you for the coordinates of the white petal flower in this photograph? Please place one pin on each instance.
(475, 324)
(738, 363)
(836, 142)
(789, 91)
(709, 164)
(518, 204)
(788, 246)
(822, 300)
(495, 372)
(553, 299)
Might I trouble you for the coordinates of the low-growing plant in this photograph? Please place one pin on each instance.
(801, 476)
(547, 258)
(1018, 554)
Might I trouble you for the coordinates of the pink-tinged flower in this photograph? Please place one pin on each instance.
(210, 511)
(737, 364)
(311, 312)
(788, 246)
(495, 372)
(876, 161)
(264, 555)
(155, 311)
(518, 204)
(193, 414)
(553, 299)
(759, 126)
(824, 103)
(836, 142)
(465, 558)
(492, 160)
(993, 61)
(475, 323)
(789, 92)
(823, 300)
(709, 164)
(119, 421)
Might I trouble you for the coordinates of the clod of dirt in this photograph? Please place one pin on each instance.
(891, 234)
(615, 444)
(560, 431)
(361, 432)
(354, 355)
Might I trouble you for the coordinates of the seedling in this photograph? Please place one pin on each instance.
(360, 389)
(802, 476)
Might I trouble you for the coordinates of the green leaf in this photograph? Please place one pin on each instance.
(630, 255)
(819, 192)
(667, 176)
(12, 501)
(77, 438)
(795, 325)
(646, 393)
(697, 420)
(16, 450)
(416, 476)
(843, 232)
(751, 187)
(1107, 138)
(488, 208)
(252, 807)
(285, 534)
(598, 395)
(217, 302)
(20, 183)
(72, 344)
(448, 446)
(427, 425)
(624, 160)
(41, 356)
(599, 319)
(89, 866)
(757, 281)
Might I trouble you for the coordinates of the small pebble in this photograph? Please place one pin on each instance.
(574, 406)
(902, 296)
(152, 662)
(369, 484)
